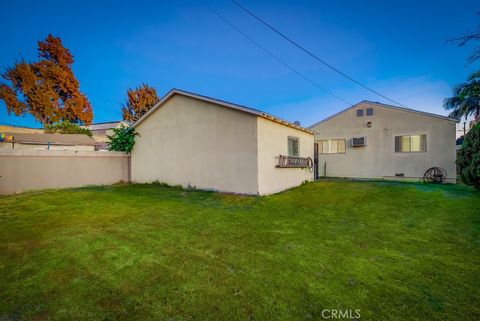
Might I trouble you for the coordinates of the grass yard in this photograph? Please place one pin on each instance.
(394, 251)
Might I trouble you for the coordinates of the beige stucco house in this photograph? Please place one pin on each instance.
(196, 141)
(374, 140)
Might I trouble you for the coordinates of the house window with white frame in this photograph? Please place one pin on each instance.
(332, 146)
(411, 144)
(293, 146)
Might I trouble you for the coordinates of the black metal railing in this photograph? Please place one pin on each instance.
(294, 162)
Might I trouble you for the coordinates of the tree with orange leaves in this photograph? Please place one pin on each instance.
(140, 100)
(48, 88)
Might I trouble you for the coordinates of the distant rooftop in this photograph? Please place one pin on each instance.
(105, 125)
(54, 139)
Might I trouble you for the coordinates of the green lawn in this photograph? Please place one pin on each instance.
(394, 251)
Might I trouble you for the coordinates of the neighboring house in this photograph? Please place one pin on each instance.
(101, 131)
(77, 142)
(196, 141)
(475, 121)
(20, 129)
(464, 125)
(373, 140)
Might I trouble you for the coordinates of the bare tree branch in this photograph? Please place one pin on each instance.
(471, 36)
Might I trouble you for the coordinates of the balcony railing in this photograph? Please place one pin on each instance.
(294, 162)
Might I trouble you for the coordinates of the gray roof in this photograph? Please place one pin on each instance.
(385, 106)
(223, 103)
(105, 125)
(53, 139)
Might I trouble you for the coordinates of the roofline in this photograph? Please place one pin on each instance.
(17, 126)
(108, 122)
(215, 101)
(49, 143)
(27, 142)
(387, 106)
(45, 139)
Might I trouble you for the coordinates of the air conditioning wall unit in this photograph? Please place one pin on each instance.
(358, 141)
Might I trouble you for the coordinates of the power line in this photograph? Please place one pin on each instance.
(274, 56)
(313, 55)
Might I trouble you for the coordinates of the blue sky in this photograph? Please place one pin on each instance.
(396, 47)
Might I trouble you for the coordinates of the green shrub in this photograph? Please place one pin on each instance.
(66, 127)
(159, 183)
(123, 139)
(468, 158)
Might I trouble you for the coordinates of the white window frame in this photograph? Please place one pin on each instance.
(290, 152)
(329, 142)
(423, 140)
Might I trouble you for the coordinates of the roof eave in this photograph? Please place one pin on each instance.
(155, 107)
(410, 110)
(217, 102)
(384, 106)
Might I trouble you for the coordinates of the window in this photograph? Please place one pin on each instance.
(411, 144)
(331, 146)
(369, 111)
(293, 148)
(359, 112)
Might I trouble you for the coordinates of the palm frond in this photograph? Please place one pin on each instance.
(451, 103)
(474, 75)
(454, 115)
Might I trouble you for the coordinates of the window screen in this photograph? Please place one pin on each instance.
(332, 146)
(293, 149)
(359, 112)
(369, 111)
(411, 144)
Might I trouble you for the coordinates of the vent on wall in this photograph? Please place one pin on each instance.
(358, 141)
